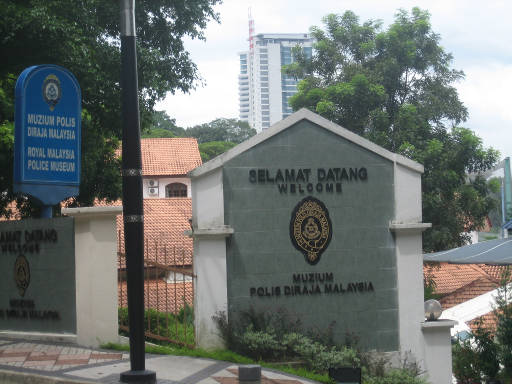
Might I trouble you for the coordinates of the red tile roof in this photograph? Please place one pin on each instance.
(458, 283)
(488, 322)
(450, 277)
(169, 156)
(494, 271)
(470, 291)
(165, 221)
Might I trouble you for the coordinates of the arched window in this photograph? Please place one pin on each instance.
(176, 190)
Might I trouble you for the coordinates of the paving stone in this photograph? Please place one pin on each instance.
(38, 363)
(42, 357)
(111, 356)
(84, 356)
(4, 360)
(14, 354)
(72, 362)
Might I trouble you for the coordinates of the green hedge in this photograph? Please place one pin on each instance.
(178, 327)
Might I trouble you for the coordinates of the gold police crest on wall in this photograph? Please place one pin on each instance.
(21, 274)
(311, 228)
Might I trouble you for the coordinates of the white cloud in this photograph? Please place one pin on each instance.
(219, 98)
(486, 94)
(477, 35)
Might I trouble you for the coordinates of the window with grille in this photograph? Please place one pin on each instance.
(176, 190)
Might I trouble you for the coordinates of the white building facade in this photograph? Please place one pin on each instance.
(263, 90)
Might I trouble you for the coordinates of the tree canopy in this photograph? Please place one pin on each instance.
(214, 138)
(396, 88)
(83, 36)
(222, 129)
(213, 149)
(163, 126)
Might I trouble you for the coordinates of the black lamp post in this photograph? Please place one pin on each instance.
(133, 209)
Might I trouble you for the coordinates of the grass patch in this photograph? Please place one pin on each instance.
(165, 324)
(223, 355)
(219, 354)
(302, 372)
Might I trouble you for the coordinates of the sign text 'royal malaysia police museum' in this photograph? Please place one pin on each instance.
(47, 137)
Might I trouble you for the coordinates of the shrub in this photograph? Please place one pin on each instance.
(164, 324)
(504, 315)
(396, 376)
(464, 361)
(261, 344)
(487, 351)
(186, 313)
(278, 336)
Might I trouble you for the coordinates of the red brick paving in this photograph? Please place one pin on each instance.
(51, 357)
(41, 357)
(264, 379)
(107, 356)
(72, 362)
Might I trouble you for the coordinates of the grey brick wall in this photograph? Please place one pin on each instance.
(49, 302)
(261, 254)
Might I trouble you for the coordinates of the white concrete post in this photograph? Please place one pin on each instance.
(96, 274)
(209, 234)
(438, 350)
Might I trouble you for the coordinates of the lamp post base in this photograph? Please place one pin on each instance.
(138, 377)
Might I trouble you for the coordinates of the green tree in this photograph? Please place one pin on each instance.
(83, 36)
(222, 129)
(163, 126)
(396, 88)
(212, 149)
(465, 363)
(503, 312)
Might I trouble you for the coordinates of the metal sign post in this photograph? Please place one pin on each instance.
(132, 198)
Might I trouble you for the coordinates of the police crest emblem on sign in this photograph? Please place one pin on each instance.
(311, 228)
(52, 91)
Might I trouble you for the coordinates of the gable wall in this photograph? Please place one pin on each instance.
(261, 256)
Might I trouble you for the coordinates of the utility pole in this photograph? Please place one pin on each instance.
(133, 209)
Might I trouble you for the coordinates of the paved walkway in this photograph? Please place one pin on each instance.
(39, 362)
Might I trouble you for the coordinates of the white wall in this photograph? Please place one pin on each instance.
(438, 351)
(162, 182)
(96, 274)
(210, 290)
(409, 261)
(208, 200)
(274, 77)
(428, 342)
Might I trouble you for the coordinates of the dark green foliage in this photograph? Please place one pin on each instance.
(178, 327)
(429, 283)
(464, 362)
(476, 358)
(186, 315)
(395, 376)
(396, 88)
(487, 351)
(214, 138)
(213, 149)
(487, 355)
(504, 315)
(163, 126)
(279, 336)
(83, 36)
(232, 130)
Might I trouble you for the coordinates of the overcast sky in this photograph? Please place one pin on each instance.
(478, 34)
